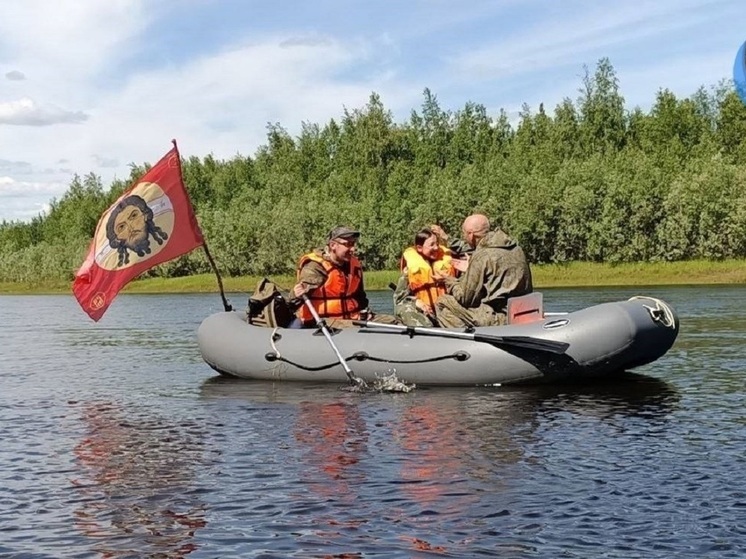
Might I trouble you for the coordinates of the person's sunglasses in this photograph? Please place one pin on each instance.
(346, 242)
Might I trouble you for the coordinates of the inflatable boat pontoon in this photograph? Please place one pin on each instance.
(592, 342)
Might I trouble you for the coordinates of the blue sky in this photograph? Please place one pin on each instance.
(91, 86)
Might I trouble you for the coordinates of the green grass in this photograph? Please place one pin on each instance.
(694, 272)
(573, 274)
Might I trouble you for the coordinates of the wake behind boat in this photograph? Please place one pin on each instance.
(592, 342)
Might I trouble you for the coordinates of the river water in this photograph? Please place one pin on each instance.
(118, 441)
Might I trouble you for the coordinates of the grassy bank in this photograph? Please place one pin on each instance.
(574, 274)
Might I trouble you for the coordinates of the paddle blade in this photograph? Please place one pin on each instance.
(526, 342)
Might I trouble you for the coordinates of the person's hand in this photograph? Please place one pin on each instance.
(367, 314)
(438, 230)
(299, 290)
(460, 264)
(424, 307)
(438, 277)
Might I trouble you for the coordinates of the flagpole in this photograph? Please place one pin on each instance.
(226, 305)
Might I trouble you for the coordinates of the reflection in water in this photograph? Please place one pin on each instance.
(335, 438)
(505, 420)
(628, 394)
(328, 439)
(437, 473)
(261, 391)
(136, 482)
(435, 469)
(429, 458)
(624, 394)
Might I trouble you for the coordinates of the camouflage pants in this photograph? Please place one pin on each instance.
(452, 315)
(383, 318)
(409, 315)
(345, 323)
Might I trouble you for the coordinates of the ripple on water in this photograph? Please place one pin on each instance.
(118, 442)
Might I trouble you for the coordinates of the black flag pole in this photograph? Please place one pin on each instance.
(226, 305)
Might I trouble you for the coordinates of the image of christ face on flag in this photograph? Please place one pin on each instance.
(137, 228)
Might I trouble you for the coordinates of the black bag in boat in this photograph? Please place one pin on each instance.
(268, 306)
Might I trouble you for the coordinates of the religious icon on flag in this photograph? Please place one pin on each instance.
(151, 223)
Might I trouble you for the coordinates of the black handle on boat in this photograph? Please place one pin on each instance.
(321, 323)
(526, 342)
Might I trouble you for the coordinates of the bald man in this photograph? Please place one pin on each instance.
(497, 269)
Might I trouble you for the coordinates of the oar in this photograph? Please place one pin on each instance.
(526, 342)
(321, 323)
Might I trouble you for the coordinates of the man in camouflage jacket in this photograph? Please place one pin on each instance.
(497, 269)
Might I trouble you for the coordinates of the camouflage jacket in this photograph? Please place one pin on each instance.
(498, 269)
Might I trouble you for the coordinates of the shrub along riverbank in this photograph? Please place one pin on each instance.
(574, 274)
(590, 181)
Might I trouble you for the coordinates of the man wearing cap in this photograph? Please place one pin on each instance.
(333, 281)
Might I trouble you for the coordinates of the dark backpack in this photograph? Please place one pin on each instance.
(268, 306)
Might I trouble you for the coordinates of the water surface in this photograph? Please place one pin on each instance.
(118, 441)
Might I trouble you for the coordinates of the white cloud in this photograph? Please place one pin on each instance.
(305, 41)
(221, 103)
(16, 167)
(105, 161)
(73, 39)
(12, 187)
(217, 103)
(25, 112)
(22, 200)
(122, 72)
(571, 39)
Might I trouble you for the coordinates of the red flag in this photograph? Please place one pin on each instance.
(149, 224)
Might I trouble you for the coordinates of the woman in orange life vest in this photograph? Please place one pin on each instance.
(333, 281)
(418, 290)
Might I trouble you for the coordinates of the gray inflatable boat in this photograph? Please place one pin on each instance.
(592, 342)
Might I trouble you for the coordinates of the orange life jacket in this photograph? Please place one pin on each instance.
(333, 299)
(420, 273)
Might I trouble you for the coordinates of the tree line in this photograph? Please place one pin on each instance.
(591, 181)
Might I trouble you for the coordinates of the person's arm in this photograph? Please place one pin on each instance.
(360, 296)
(311, 276)
(459, 247)
(402, 291)
(455, 245)
(467, 289)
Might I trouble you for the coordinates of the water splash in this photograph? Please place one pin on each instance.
(390, 383)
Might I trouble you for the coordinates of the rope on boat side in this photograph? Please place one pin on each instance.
(275, 355)
(363, 356)
(272, 339)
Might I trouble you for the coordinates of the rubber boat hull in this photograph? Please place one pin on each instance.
(603, 339)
